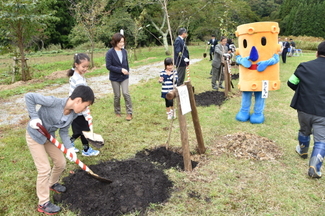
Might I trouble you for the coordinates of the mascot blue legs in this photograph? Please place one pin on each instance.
(243, 114)
(316, 160)
(257, 117)
(302, 148)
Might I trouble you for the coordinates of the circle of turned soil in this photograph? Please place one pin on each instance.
(137, 182)
(210, 98)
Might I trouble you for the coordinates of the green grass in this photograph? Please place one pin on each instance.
(224, 185)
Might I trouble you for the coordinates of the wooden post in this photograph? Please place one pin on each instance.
(227, 78)
(184, 137)
(195, 118)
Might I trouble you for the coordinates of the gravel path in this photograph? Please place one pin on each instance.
(13, 109)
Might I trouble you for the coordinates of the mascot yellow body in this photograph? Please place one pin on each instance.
(258, 59)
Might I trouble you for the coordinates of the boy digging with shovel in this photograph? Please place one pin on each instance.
(54, 113)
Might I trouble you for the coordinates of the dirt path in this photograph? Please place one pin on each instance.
(13, 109)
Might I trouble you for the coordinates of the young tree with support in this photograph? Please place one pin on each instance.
(23, 20)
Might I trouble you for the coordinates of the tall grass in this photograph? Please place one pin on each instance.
(222, 184)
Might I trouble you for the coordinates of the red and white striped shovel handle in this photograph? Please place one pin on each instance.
(60, 146)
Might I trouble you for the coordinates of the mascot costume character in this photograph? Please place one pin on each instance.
(258, 59)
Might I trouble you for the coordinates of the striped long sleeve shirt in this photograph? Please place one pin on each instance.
(167, 84)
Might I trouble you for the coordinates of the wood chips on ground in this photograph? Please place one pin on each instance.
(247, 146)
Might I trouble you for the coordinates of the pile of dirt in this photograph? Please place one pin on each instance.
(210, 98)
(137, 182)
(247, 146)
(166, 159)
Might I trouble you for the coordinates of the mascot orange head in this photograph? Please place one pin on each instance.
(257, 55)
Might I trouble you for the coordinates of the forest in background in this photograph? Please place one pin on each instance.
(145, 19)
(35, 25)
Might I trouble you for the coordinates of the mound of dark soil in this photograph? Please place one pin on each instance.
(166, 159)
(137, 182)
(210, 98)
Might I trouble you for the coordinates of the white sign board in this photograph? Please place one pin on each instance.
(265, 88)
(184, 99)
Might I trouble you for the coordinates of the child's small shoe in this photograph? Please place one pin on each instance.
(169, 115)
(58, 188)
(48, 208)
(72, 143)
(90, 152)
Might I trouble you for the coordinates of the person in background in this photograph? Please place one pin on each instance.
(212, 42)
(217, 64)
(76, 74)
(168, 78)
(54, 114)
(293, 47)
(281, 45)
(118, 66)
(286, 46)
(309, 101)
(181, 55)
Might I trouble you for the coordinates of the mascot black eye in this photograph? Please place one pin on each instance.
(245, 43)
(263, 41)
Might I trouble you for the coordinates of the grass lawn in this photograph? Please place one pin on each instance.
(222, 184)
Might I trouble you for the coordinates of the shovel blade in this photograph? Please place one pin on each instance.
(95, 139)
(105, 180)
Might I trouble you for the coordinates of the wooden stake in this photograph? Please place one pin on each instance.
(195, 119)
(227, 78)
(184, 137)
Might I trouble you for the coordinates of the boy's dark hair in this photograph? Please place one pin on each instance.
(168, 61)
(321, 48)
(116, 38)
(77, 59)
(84, 92)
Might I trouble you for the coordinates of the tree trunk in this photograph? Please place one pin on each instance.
(92, 55)
(25, 75)
(165, 41)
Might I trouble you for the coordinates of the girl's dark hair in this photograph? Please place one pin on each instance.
(77, 59)
(84, 92)
(116, 38)
(168, 61)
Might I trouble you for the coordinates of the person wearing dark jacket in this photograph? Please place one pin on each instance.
(118, 66)
(181, 55)
(309, 101)
(286, 46)
(212, 42)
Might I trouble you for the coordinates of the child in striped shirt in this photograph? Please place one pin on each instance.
(76, 74)
(168, 78)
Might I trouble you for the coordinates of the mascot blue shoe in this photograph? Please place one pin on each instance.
(243, 114)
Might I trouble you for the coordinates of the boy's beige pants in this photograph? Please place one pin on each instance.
(46, 176)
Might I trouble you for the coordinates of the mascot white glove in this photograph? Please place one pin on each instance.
(33, 123)
(71, 154)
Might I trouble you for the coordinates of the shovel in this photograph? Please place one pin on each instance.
(60, 146)
(205, 53)
(95, 139)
